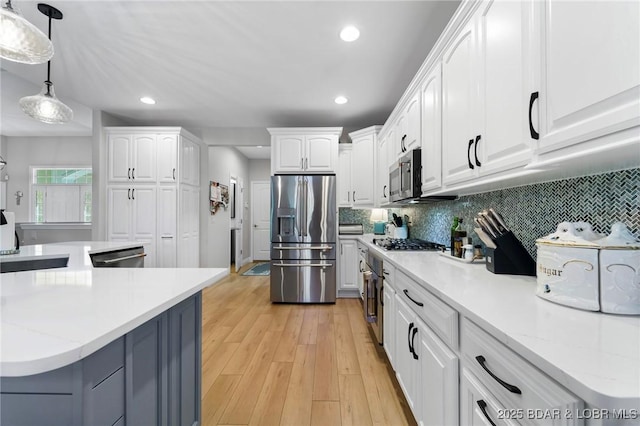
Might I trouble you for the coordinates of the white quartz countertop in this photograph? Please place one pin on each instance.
(53, 317)
(595, 355)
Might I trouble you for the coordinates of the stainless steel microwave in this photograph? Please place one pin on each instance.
(405, 177)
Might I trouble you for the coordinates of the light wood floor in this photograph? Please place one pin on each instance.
(266, 364)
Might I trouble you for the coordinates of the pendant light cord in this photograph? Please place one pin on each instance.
(48, 82)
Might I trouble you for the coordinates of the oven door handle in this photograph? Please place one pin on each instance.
(119, 259)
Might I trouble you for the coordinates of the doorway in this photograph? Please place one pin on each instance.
(261, 220)
(236, 212)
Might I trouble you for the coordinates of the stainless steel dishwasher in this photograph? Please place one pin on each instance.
(132, 257)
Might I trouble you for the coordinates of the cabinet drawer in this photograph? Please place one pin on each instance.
(516, 383)
(101, 364)
(104, 403)
(442, 318)
(478, 406)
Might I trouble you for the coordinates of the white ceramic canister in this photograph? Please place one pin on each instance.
(620, 272)
(567, 269)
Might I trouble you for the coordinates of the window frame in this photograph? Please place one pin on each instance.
(33, 186)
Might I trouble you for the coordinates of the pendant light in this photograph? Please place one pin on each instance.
(45, 106)
(20, 40)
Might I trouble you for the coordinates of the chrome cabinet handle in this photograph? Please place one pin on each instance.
(511, 388)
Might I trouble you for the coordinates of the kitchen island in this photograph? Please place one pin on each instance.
(86, 344)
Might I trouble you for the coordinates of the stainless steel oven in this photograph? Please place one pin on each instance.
(373, 287)
(405, 177)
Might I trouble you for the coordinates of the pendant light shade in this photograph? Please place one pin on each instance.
(45, 106)
(20, 40)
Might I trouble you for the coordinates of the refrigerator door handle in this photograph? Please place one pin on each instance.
(305, 189)
(323, 248)
(298, 265)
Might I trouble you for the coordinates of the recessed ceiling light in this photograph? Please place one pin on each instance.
(341, 100)
(147, 100)
(349, 33)
(259, 146)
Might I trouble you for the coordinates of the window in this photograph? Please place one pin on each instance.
(61, 194)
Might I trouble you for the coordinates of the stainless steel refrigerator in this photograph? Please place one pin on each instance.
(303, 238)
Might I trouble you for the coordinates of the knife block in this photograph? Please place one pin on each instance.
(510, 257)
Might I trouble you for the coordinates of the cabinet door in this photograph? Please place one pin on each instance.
(348, 265)
(405, 323)
(431, 114)
(363, 170)
(412, 114)
(195, 164)
(146, 375)
(119, 207)
(388, 321)
(167, 224)
(143, 221)
(400, 132)
(185, 362)
(321, 154)
(505, 61)
(344, 175)
(119, 152)
(438, 379)
(382, 170)
(167, 146)
(288, 153)
(590, 83)
(143, 166)
(459, 94)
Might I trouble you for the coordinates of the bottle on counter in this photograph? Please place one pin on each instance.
(458, 239)
(453, 230)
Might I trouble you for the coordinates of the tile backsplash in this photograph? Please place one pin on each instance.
(530, 211)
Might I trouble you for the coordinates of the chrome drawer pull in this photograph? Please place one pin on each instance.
(510, 388)
(406, 293)
(483, 408)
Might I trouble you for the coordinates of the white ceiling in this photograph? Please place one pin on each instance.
(219, 64)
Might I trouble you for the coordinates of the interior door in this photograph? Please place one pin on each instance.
(261, 219)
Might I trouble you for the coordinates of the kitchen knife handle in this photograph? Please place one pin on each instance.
(534, 135)
(475, 150)
(469, 154)
(406, 293)
(507, 386)
(413, 347)
(483, 408)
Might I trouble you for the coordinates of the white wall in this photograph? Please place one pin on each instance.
(238, 136)
(22, 152)
(259, 170)
(215, 244)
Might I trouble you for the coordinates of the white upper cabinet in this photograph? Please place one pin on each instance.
(431, 114)
(459, 95)
(506, 68)
(304, 150)
(407, 128)
(381, 192)
(343, 177)
(167, 158)
(132, 158)
(189, 162)
(590, 71)
(363, 170)
(487, 73)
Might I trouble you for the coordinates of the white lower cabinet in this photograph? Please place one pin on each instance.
(348, 273)
(427, 370)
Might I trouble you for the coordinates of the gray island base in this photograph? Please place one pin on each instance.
(149, 376)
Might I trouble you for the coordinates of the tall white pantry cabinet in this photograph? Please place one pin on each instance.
(153, 192)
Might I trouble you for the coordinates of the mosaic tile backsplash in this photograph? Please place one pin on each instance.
(530, 211)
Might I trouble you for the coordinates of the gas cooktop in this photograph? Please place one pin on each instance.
(409, 244)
